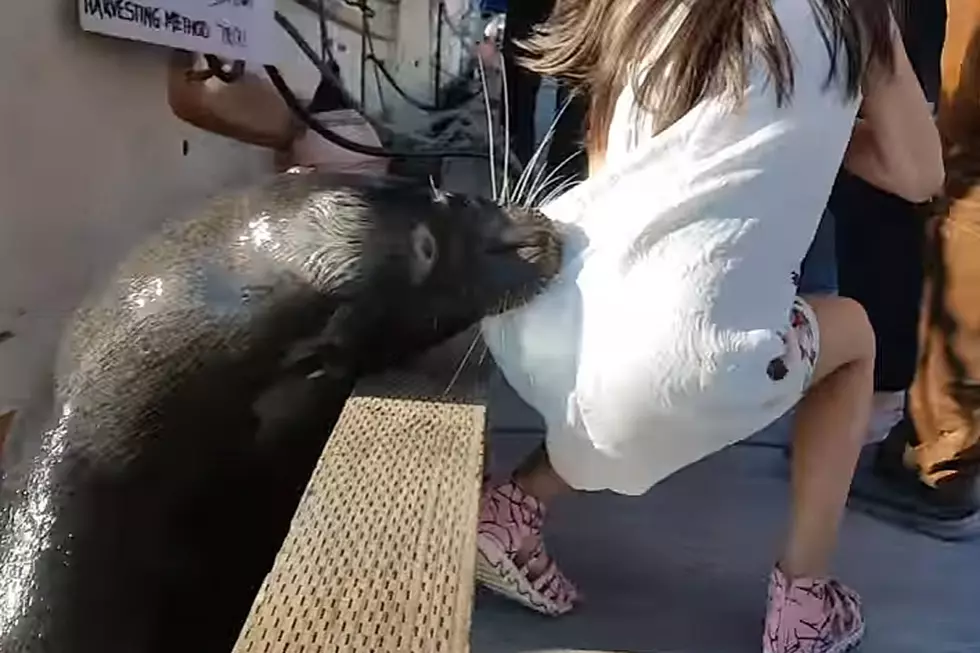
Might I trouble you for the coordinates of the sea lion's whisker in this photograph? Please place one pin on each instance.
(538, 187)
(522, 183)
(486, 105)
(534, 163)
(462, 364)
(545, 142)
(506, 304)
(540, 184)
(483, 354)
(536, 184)
(438, 195)
(522, 178)
(561, 188)
(505, 184)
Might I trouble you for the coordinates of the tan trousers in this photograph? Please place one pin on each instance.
(944, 400)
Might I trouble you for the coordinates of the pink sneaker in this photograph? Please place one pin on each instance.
(811, 616)
(511, 560)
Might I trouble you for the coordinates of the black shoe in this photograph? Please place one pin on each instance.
(884, 488)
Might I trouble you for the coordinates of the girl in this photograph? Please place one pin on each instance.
(716, 131)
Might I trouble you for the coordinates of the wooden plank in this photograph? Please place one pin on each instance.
(380, 556)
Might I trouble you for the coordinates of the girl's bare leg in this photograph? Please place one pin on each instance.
(511, 558)
(809, 613)
(830, 427)
(538, 478)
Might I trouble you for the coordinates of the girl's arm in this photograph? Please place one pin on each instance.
(895, 145)
(248, 110)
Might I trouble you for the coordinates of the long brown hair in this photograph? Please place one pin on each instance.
(589, 44)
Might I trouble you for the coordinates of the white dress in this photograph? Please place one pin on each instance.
(651, 349)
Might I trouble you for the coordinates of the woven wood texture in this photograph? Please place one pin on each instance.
(381, 552)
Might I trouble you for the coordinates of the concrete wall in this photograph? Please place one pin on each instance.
(90, 159)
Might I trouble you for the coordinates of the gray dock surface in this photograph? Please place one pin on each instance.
(683, 569)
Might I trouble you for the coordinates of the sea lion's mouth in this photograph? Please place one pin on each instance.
(538, 243)
(516, 300)
(545, 262)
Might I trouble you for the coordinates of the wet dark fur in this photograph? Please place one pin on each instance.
(144, 519)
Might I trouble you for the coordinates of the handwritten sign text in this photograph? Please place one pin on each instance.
(233, 29)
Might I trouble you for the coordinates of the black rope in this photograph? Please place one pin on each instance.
(297, 107)
(326, 72)
(361, 5)
(367, 14)
(304, 115)
(418, 104)
(321, 66)
(379, 65)
(216, 68)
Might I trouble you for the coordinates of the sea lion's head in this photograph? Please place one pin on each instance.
(421, 264)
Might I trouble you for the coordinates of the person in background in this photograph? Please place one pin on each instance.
(880, 240)
(250, 110)
(925, 474)
(566, 148)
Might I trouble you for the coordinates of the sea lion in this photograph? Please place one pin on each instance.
(144, 515)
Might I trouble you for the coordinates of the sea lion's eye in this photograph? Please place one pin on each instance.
(425, 251)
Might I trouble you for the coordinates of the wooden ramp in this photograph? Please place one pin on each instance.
(381, 552)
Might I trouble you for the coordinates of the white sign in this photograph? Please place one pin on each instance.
(231, 29)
